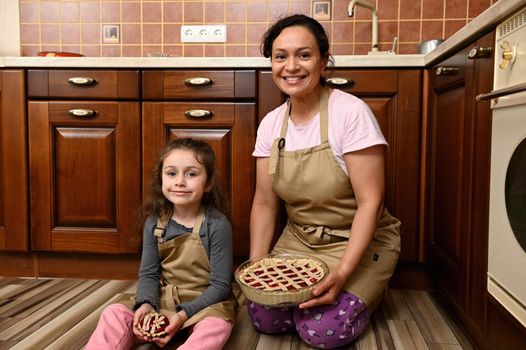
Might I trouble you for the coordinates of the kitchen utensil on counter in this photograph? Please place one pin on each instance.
(58, 54)
(427, 46)
(157, 54)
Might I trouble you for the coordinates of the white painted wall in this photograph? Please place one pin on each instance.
(9, 28)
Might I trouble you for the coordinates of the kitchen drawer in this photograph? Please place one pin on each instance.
(202, 113)
(450, 71)
(79, 84)
(82, 112)
(198, 84)
(363, 81)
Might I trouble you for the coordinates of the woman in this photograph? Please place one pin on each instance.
(322, 153)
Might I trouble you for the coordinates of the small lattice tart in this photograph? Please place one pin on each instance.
(280, 279)
(153, 325)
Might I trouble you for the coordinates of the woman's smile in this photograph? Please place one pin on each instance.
(293, 80)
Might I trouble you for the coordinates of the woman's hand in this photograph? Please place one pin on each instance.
(137, 317)
(327, 291)
(176, 322)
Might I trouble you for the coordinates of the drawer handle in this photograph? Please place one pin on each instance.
(82, 81)
(446, 70)
(339, 82)
(480, 52)
(82, 113)
(198, 81)
(198, 114)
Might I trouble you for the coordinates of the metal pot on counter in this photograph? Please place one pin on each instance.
(428, 45)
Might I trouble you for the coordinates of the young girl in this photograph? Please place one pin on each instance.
(186, 263)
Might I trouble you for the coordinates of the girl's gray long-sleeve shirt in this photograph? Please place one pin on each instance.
(216, 236)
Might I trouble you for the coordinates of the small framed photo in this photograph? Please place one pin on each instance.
(111, 34)
(321, 10)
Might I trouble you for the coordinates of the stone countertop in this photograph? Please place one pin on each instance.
(486, 20)
(200, 62)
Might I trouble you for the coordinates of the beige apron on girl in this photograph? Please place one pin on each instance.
(321, 205)
(186, 272)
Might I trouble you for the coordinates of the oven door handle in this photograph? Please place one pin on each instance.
(501, 92)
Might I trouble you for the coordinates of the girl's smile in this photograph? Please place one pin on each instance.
(184, 180)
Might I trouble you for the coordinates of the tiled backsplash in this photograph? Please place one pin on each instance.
(148, 26)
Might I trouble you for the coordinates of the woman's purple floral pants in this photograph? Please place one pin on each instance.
(325, 327)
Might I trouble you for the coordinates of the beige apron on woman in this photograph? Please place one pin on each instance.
(321, 205)
(186, 272)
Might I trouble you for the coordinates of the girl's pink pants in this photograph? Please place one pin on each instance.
(115, 331)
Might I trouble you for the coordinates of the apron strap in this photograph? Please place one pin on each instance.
(160, 228)
(313, 235)
(162, 223)
(324, 116)
(279, 143)
(199, 219)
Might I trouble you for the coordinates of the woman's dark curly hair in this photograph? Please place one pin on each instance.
(155, 202)
(309, 23)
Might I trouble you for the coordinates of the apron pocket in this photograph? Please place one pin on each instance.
(169, 297)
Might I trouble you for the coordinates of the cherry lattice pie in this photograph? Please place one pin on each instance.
(280, 279)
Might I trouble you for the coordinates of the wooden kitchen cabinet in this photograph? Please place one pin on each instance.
(394, 96)
(84, 160)
(13, 162)
(456, 172)
(174, 109)
(446, 203)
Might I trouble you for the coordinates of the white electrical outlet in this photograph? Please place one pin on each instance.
(212, 33)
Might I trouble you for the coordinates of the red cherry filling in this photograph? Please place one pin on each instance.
(275, 276)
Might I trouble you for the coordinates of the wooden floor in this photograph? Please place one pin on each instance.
(62, 313)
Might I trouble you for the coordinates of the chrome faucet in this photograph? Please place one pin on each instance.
(367, 5)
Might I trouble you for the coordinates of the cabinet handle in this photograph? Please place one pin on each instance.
(480, 52)
(339, 82)
(198, 114)
(82, 113)
(82, 81)
(198, 81)
(446, 70)
(501, 92)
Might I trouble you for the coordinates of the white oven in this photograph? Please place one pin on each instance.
(507, 216)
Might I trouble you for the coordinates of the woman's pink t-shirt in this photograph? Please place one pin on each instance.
(352, 127)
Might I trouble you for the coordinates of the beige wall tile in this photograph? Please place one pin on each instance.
(157, 23)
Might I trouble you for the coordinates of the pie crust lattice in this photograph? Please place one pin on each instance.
(276, 274)
(280, 280)
(153, 325)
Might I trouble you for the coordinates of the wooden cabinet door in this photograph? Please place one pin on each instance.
(13, 162)
(479, 79)
(457, 175)
(394, 96)
(449, 137)
(231, 133)
(84, 176)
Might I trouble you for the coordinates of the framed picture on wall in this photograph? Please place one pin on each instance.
(321, 10)
(111, 34)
